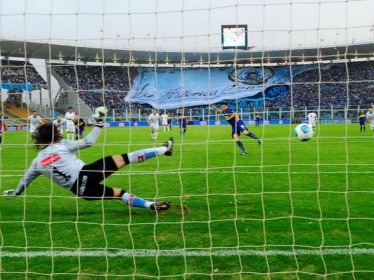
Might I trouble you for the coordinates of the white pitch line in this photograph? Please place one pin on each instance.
(187, 253)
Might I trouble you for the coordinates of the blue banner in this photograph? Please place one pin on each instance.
(169, 88)
(24, 87)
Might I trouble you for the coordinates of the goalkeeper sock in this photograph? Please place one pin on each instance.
(142, 155)
(135, 201)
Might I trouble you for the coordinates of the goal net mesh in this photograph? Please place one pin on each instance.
(284, 209)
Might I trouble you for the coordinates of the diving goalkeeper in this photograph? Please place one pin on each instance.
(57, 160)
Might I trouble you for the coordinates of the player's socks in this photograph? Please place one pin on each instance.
(250, 134)
(142, 155)
(241, 146)
(135, 201)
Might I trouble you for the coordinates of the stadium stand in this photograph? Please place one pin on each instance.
(19, 115)
(20, 72)
(339, 85)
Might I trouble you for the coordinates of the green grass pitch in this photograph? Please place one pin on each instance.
(287, 210)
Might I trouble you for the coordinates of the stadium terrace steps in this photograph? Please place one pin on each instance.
(19, 115)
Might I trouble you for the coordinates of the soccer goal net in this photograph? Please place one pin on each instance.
(253, 195)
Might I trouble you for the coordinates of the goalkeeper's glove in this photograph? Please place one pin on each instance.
(99, 115)
(10, 193)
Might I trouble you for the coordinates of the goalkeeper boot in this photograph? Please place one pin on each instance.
(10, 193)
(169, 146)
(160, 206)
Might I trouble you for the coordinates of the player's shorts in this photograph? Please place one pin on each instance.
(312, 123)
(32, 128)
(70, 128)
(183, 124)
(88, 184)
(372, 126)
(362, 122)
(154, 126)
(165, 123)
(240, 127)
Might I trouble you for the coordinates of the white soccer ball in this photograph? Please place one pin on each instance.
(304, 132)
(100, 112)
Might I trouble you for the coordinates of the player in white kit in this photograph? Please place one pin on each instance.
(33, 121)
(164, 121)
(370, 117)
(153, 121)
(59, 123)
(57, 160)
(70, 125)
(312, 119)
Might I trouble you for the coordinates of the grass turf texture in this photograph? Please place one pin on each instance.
(284, 195)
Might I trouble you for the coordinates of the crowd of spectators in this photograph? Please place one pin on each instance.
(99, 85)
(20, 72)
(330, 85)
(339, 85)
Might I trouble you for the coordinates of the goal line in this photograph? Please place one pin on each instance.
(189, 253)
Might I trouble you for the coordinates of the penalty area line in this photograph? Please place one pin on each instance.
(187, 253)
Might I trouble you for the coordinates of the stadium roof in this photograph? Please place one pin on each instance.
(21, 49)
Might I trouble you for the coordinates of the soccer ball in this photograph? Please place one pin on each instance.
(304, 132)
(100, 112)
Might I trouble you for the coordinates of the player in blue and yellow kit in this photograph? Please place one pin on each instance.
(182, 121)
(362, 119)
(79, 126)
(237, 126)
(257, 120)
